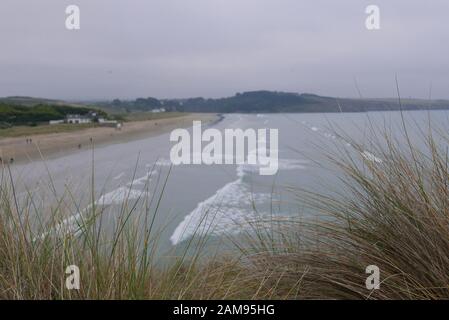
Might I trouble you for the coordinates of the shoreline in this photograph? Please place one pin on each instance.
(53, 145)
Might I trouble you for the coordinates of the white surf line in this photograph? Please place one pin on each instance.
(223, 212)
(143, 180)
(370, 157)
(199, 220)
(68, 223)
(365, 154)
(162, 162)
(119, 176)
(230, 209)
(116, 196)
(227, 211)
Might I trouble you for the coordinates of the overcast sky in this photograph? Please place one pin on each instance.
(215, 48)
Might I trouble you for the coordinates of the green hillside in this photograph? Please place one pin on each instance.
(15, 114)
(273, 101)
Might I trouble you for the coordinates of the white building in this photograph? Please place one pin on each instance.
(88, 118)
(77, 119)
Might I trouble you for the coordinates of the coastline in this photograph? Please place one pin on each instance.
(59, 144)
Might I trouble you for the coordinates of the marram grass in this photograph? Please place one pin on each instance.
(393, 214)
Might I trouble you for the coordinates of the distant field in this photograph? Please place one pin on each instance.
(144, 116)
(30, 101)
(20, 131)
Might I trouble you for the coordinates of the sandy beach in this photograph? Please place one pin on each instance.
(57, 144)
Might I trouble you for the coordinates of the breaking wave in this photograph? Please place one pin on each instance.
(231, 209)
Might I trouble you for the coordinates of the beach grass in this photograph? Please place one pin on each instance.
(393, 214)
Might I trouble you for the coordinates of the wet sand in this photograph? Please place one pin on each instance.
(57, 144)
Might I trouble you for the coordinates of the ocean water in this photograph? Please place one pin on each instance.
(216, 201)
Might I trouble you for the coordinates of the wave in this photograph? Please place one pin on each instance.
(221, 213)
(365, 154)
(231, 209)
(370, 157)
(115, 197)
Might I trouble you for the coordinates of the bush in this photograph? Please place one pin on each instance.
(25, 115)
(5, 125)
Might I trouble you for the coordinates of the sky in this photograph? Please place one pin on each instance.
(214, 48)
